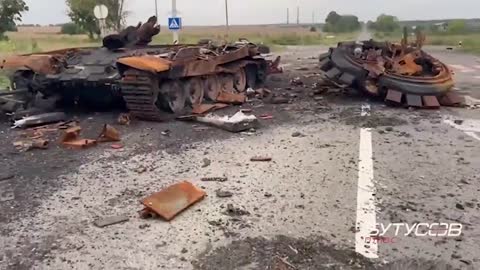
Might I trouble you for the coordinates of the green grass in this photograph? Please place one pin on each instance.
(470, 42)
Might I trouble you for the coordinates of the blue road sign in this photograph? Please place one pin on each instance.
(175, 23)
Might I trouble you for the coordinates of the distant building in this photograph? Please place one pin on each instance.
(441, 26)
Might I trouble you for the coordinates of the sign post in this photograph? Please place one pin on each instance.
(101, 13)
(174, 23)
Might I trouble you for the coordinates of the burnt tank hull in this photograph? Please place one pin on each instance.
(177, 76)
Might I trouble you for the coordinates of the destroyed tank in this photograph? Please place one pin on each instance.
(149, 80)
(401, 74)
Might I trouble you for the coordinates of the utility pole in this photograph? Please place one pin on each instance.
(156, 9)
(226, 17)
(288, 16)
(313, 17)
(298, 14)
(174, 15)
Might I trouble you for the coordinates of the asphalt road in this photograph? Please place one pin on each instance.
(355, 164)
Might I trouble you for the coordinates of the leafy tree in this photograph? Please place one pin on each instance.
(10, 13)
(338, 23)
(457, 27)
(81, 13)
(386, 23)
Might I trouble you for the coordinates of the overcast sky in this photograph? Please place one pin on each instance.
(211, 12)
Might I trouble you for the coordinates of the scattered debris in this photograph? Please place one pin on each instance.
(109, 134)
(261, 159)
(204, 108)
(116, 146)
(40, 119)
(279, 100)
(297, 134)
(231, 98)
(223, 194)
(71, 139)
(250, 92)
(6, 176)
(214, 179)
(107, 221)
(171, 201)
(31, 144)
(206, 162)
(237, 123)
(124, 119)
(285, 262)
(296, 81)
(234, 211)
(266, 116)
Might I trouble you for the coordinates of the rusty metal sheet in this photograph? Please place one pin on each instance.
(430, 102)
(231, 98)
(41, 63)
(174, 199)
(109, 134)
(147, 63)
(71, 139)
(406, 65)
(394, 96)
(80, 143)
(204, 108)
(414, 101)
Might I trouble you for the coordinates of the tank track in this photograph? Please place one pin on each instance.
(140, 90)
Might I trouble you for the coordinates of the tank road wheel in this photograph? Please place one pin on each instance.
(195, 90)
(172, 96)
(240, 80)
(212, 87)
(227, 82)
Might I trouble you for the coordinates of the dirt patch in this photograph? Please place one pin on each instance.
(353, 117)
(284, 253)
(261, 253)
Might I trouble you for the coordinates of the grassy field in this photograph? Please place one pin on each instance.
(36, 39)
(470, 42)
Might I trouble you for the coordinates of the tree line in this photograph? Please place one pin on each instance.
(79, 11)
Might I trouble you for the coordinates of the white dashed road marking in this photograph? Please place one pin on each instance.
(366, 215)
(471, 127)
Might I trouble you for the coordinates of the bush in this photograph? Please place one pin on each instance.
(72, 29)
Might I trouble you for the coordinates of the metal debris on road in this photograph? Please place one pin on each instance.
(231, 98)
(205, 108)
(171, 201)
(223, 193)
(71, 139)
(124, 119)
(31, 144)
(214, 179)
(109, 134)
(237, 123)
(107, 221)
(266, 116)
(261, 159)
(40, 119)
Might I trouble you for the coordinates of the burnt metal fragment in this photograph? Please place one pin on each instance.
(400, 74)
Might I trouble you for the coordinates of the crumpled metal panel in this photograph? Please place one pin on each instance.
(146, 63)
(40, 63)
(171, 201)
